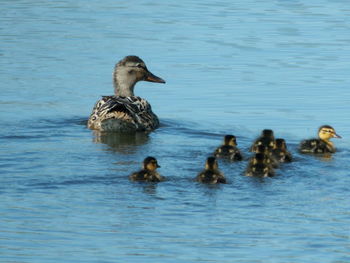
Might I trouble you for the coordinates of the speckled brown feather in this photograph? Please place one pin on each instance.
(114, 113)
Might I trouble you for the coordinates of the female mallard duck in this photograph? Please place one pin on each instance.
(321, 145)
(148, 173)
(259, 167)
(266, 138)
(124, 111)
(211, 173)
(229, 149)
(280, 153)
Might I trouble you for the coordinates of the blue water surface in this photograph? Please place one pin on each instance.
(232, 67)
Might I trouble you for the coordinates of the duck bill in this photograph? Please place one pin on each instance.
(336, 136)
(153, 78)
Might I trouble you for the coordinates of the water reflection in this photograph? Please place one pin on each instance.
(324, 157)
(149, 188)
(120, 142)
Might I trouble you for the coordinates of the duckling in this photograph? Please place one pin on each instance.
(322, 144)
(229, 149)
(266, 138)
(125, 112)
(148, 173)
(211, 174)
(258, 167)
(280, 153)
(269, 158)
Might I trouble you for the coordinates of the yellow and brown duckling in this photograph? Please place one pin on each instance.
(211, 174)
(125, 112)
(266, 138)
(280, 153)
(259, 167)
(148, 173)
(269, 158)
(229, 149)
(322, 144)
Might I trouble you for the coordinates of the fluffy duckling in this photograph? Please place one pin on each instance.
(148, 173)
(211, 173)
(125, 112)
(259, 167)
(280, 153)
(266, 138)
(322, 144)
(229, 149)
(269, 158)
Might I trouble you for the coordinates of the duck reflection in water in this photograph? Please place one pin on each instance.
(121, 142)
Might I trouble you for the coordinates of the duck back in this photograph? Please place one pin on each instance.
(146, 176)
(210, 177)
(315, 146)
(228, 151)
(114, 113)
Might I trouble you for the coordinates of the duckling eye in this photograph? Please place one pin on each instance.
(138, 65)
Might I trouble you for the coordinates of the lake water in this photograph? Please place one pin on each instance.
(232, 67)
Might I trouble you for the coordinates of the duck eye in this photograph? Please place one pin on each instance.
(139, 66)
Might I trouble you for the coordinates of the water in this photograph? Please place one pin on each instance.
(231, 67)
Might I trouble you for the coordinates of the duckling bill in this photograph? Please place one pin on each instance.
(148, 173)
(125, 112)
(211, 174)
(322, 144)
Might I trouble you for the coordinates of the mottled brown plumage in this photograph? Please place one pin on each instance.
(125, 112)
(322, 144)
(211, 174)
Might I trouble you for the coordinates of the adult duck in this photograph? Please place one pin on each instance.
(125, 112)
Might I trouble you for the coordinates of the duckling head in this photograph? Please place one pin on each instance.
(268, 139)
(281, 144)
(211, 163)
(267, 133)
(260, 148)
(230, 140)
(150, 163)
(259, 158)
(326, 132)
(128, 72)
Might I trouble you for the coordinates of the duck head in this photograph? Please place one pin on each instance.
(230, 140)
(128, 72)
(260, 148)
(259, 158)
(281, 144)
(150, 163)
(326, 132)
(267, 133)
(211, 164)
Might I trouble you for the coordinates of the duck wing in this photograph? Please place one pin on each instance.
(114, 113)
(315, 146)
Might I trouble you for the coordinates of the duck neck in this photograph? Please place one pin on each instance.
(123, 86)
(328, 142)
